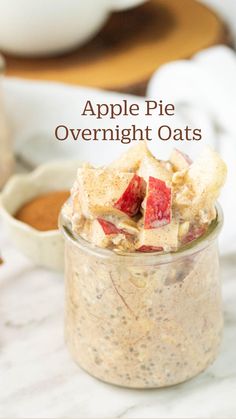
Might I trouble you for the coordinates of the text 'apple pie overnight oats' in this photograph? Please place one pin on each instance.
(143, 295)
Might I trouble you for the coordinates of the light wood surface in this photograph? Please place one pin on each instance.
(132, 45)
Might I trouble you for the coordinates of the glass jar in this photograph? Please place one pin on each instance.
(6, 152)
(143, 320)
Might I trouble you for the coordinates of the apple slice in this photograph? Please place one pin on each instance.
(193, 234)
(104, 234)
(203, 181)
(131, 199)
(207, 174)
(155, 168)
(147, 249)
(103, 191)
(110, 228)
(158, 204)
(130, 160)
(163, 238)
(180, 160)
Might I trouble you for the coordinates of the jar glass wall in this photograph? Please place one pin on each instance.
(143, 320)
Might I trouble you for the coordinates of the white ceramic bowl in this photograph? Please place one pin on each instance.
(43, 248)
(34, 28)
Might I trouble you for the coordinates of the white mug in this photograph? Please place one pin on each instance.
(45, 27)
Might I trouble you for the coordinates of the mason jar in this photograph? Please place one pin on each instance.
(143, 320)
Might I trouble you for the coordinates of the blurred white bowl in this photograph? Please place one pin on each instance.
(43, 248)
(29, 27)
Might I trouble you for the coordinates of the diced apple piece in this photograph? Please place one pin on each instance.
(180, 160)
(131, 159)
(103, 191)
(128, 225)
(165, 237)
(158, 204)
(183, 229)
(109, 228)
(202, 183)
(193, 234)
(205, 177)
(148, 249)
(76, 204)
(73, 210)
(98, 236)
(104, 233)
(75, 199)
(152, 167)
(208, 173)
(131, 199)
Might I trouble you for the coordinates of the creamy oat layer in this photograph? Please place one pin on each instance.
(140, 325)
(140, 203)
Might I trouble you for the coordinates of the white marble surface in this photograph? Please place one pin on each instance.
(39, 380)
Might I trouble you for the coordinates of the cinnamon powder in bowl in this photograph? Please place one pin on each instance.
(43, 211)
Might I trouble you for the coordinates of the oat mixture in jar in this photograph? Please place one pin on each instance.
(143, 296)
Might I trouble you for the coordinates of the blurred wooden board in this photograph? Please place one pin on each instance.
(132, 45)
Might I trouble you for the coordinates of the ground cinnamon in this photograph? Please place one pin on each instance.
(42, 212)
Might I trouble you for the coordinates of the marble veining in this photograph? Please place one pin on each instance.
(39, 380)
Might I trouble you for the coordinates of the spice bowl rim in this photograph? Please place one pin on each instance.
(30, 236)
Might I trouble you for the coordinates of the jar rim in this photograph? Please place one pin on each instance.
(153, 257)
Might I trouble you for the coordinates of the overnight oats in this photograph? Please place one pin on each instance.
(143, 294)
